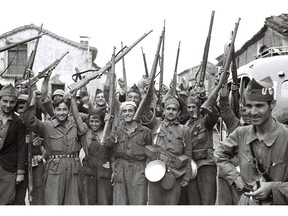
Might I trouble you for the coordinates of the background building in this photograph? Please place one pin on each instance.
(51, 47)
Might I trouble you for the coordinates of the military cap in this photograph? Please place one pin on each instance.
(58, 92)
(169, 99)
(193, 100)
(8, 90)
(98, 91)
(261, 90)
(22, 98)
(135, 89)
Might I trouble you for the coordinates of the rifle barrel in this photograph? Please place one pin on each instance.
(175, 71)
(206, 52)
(10, 46)
(77, 85)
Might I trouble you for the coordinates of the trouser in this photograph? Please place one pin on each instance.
(61, 189)
(95, 190)
(38, 188)
(202, 189)
(7, 186)
(159, 196)
(226, 194)
(20, 192)
(130, 184)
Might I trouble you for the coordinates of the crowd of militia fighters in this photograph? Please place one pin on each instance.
(139, 146)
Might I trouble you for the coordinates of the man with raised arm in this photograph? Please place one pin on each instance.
(262, 149)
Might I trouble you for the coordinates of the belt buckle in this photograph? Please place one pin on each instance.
(34, 162)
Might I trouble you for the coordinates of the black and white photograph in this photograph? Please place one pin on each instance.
(139, 103)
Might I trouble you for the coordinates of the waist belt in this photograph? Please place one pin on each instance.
(64, 156)
(128, 158)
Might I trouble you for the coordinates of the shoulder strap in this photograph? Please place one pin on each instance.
(260, 167)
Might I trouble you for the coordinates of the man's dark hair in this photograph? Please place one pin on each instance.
(58, 101)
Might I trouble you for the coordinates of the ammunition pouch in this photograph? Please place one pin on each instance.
(181, 161)
(199, 154)
(151, 152)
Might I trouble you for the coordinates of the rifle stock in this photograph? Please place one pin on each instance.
(108, 124)
(235, 86)
(210, 102)
(201, 88)
(10, 46)
(146, 101)
(30, 173)
(98, 74)
(175, 71)
(29, 149)
(41, 74)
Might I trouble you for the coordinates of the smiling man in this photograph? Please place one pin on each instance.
(263, 150)
(62, 146)
(130, 184)
(171, 140)
(12, 145)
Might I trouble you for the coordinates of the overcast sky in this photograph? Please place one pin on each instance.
(108, 22)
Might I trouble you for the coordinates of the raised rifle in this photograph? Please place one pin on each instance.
(108, 123)
(161, 68)
(10, 46)
(32, 57)
(77, 85)
(145, 63)
(30, 143)
(201, 87)
(43, 73)
(211, 100)
(124, 70)
(147, 99)
(174, 81)
(235, 86)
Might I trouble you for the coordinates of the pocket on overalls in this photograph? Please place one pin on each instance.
(118, 171)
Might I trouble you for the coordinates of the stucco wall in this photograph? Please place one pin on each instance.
(50, 49)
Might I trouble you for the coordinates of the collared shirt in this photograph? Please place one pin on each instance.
(3, 129)
(172, 138)
(132, 144)
(59, 139)
(272, 152)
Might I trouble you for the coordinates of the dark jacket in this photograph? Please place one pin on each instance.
(12, 154)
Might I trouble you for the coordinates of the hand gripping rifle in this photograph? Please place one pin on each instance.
(77, 85)
(108, 123)
(147, 99)
(201, 87)
(43, 73)
(174, 92)
(210, 102)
